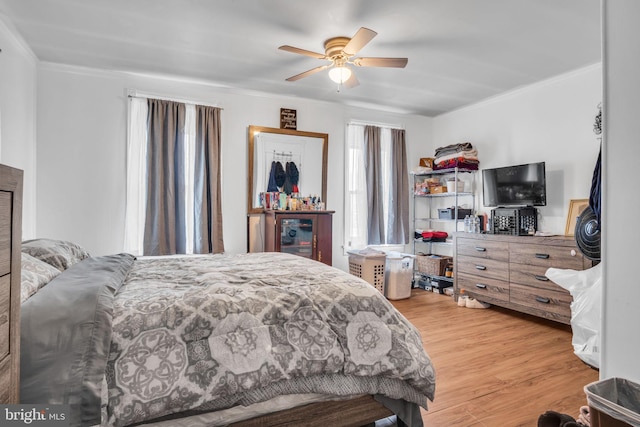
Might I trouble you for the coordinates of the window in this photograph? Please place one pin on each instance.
(376, 186)
(173, 200)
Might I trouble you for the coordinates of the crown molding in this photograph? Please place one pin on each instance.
(7, 27)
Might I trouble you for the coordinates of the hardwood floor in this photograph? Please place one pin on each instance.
(495, 367)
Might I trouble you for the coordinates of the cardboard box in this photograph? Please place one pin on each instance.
(426, 162)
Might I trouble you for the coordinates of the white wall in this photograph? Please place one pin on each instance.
(82, 118)
(550, 121)
(17, 116)
(82, 138)
(621, 126)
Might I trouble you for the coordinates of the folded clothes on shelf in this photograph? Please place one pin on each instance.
(434, 236)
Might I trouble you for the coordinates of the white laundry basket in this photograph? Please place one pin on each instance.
(399, 275)
(368, 264)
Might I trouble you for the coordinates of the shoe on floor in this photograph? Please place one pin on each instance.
(556, 419)
(474, 303)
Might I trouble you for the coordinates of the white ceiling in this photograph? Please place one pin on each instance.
(460, 51)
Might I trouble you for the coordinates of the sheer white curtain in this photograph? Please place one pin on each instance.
(189, 171)
(136, 176)
(355, 236)
(385, 163)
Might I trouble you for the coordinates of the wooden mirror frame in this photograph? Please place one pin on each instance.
(254, 130)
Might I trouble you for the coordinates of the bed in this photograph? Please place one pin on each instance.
(249, 339)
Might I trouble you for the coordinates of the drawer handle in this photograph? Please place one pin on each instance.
(543, 300)
(481, 286)
(480, 249)
(542, 256)
(480, 267)
(541, 278)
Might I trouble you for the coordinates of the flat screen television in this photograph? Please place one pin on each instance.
(520, 185)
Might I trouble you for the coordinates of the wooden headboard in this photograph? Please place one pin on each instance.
(10, 266)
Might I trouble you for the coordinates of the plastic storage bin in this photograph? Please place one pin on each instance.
(453, 186)
(450, 213)
(614, 402)
(368, 264)
(399, 275)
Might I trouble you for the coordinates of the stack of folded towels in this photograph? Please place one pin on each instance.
(456, 155)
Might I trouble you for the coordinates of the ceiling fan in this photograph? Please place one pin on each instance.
(340, 51)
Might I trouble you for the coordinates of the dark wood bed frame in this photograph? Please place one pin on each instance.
(356, 412)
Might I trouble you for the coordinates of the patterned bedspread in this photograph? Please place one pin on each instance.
(182, 335)
(209, 332)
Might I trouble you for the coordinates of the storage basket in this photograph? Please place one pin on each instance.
(433, 265)
(370, 266)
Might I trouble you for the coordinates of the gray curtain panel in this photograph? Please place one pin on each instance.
(207, 198)
(373, 172)
(398, 221)
(165, 223)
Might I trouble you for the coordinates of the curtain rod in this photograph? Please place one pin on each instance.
(381, 125)
(132, 93)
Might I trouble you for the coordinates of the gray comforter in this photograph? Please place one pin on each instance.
(182, 335)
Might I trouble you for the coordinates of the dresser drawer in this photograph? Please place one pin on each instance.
(4, 314)
(480, 287)
(482, 249)
(488, 268)
(547, 256)
(532, 275)
(556, 303)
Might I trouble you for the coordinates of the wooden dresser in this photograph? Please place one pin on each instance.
(509, 271)
(10, 260)
(303, 233)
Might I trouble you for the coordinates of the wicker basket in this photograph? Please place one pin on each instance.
(433, 264)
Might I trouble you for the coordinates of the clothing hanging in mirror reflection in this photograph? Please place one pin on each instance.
(293, 176)
(283, 178)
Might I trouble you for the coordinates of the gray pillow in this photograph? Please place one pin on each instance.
(57, 253)
(34, 275)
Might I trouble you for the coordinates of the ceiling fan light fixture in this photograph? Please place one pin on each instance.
(340, 51)
(340, 74)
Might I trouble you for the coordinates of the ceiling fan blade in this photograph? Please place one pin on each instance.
(359, 40)
(381, 62)
(351, 81)
(307, 73)
(302, 51)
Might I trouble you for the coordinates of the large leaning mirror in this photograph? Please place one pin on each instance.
(269, 146)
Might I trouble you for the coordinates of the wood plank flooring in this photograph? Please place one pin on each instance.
(495, 367)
